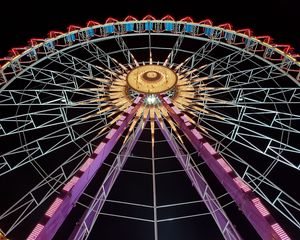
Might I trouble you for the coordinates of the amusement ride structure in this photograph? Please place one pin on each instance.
(83, 108)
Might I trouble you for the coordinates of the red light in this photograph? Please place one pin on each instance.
(266, 39)
(285, 47)
(168, 18)
(54, 34)
(5, 59)
(92, 23)
(73, 27)
(17, 51)
(206, 22)
(186, 19)
(226, 26)
(149, 17)
(35, 41)
(245, 31)
(111, 20)
(130, 18)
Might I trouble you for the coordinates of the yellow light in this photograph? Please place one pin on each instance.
(151, 79)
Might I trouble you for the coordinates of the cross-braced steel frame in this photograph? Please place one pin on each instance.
(252, 98)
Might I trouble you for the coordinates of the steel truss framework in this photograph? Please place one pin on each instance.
(236, 103)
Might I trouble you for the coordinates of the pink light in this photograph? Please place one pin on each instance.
(209, 148)
(184, 118)
(224, 165)
(243, 185)
(35, 232)
(187, 124)
(260, 207)
(281, 233)
(55, 205)
(70, 184)
(99, 148)
(136, 101)
(129, 109)
(167, 100)
(85, 166)
(119, 123)
(197, 134)
(122, 118)
(176, 110)
(111, 133)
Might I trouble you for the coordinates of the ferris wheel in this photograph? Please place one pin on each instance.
(98, 123)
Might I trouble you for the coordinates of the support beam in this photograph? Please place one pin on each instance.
(155, 221)
(86, 223)
(63, 204)
(249, 204)
(226, 227)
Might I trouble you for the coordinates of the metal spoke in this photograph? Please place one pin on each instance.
(125, 50)
(171, 56)
(233, 110)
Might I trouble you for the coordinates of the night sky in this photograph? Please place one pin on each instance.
(28, 19)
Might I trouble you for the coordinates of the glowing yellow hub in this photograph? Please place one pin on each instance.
(151, 79)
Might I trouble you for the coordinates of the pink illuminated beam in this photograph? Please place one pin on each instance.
(63, 204)
(226, 227)
(87, 221)
(254, 210)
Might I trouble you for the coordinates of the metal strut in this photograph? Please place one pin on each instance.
(226, 227)
(63, 204)
(254, 210)
(86, 223)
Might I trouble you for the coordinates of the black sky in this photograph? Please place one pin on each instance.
(23, 20)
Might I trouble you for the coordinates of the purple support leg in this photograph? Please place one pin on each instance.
(202, 188)
(249, 204)
(63, 204)
(88, 219)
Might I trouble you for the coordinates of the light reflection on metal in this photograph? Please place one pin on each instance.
(190, 95)
(248, 203)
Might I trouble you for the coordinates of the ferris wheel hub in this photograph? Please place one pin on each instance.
(152, 79)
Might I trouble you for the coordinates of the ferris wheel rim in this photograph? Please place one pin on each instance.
(284, 50)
